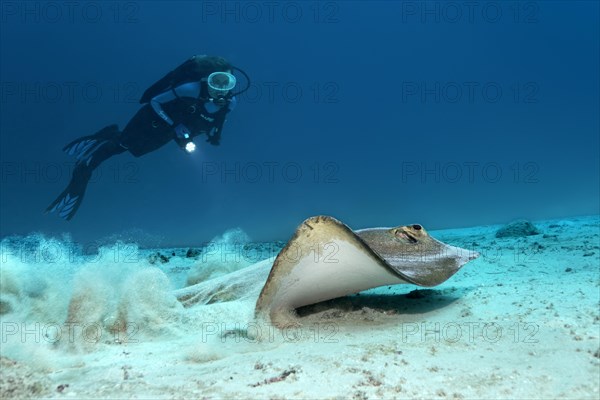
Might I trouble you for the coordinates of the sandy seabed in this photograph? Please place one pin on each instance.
(522, 321)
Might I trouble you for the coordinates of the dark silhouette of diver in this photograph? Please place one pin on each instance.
(191, 100)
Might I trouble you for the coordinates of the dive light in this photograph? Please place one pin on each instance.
(190, 147)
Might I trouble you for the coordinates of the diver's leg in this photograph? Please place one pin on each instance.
(70, 199)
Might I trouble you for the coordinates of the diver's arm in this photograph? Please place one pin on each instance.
(191, 89)
(182, 133)
(156, 104)
(214, 136)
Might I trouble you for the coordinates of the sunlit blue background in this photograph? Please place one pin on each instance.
(392, 112)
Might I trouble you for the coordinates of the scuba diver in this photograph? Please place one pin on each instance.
(191, 100)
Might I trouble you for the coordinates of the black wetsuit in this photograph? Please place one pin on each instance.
(148, 131)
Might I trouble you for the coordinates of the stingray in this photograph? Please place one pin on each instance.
(325, 259)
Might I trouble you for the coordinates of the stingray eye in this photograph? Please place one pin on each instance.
(417, 227)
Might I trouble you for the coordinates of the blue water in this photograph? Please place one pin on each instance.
(378, 113)
(460, 116)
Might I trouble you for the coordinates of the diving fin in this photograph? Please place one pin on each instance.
(67, 204)
(84, 147)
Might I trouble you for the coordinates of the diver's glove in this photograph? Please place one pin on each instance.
(184, 139)
(182, 132)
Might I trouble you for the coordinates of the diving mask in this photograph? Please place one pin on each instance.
(220, 83)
